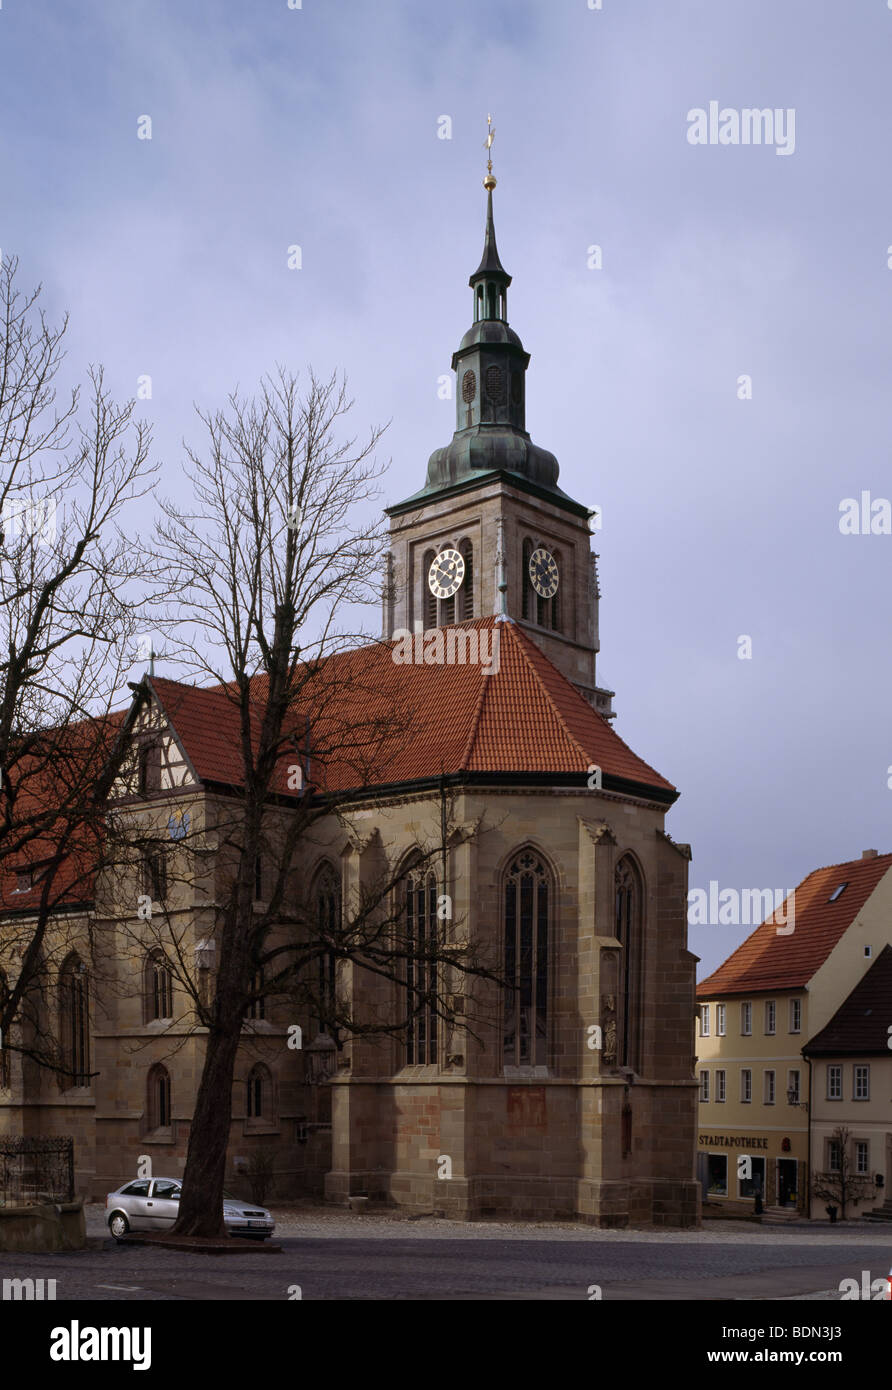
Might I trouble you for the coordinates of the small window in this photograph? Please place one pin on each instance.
(24, 880)
(704, 1020)
(795, 1015)
(793, 1087)
(837, 892)
(259, 1094)
(720, 1020)
(834, 1083)
(862, 1157)
(720, 1087)
(256, 1007)
(833, 1156)
(154, 874)
(717, 1175)
(770, 1017)
(746, 1020)
(746, 1085)
(149, 758)
(158, 988)
(868, 952)
(755, 1184)
(159, 1097)
(768, 1086)
(704, 1085)
(862, 1083)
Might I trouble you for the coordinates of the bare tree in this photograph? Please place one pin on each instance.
(70, 604)
(842, 1185)
(271, 569)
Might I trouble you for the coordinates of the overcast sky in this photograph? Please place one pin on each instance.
(318, 127)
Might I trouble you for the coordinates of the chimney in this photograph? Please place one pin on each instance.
(868, 854)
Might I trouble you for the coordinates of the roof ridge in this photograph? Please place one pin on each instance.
(846, 863)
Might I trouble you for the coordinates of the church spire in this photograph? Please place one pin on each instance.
(490, 366)
(490, 280)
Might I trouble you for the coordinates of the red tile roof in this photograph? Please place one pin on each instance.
(375, 722)
(767, 960)
(861, 1023)
(53, 788)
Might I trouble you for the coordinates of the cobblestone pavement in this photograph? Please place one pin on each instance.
(330, 1254)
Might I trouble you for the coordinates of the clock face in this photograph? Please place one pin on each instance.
(446, 574)
(544, 573)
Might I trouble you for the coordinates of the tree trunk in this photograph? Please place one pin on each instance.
(201, 1205)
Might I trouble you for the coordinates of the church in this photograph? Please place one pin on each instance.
(573, 1095)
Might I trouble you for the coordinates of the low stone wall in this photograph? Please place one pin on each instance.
(39, 1229)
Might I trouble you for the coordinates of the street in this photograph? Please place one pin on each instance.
(330, 1255)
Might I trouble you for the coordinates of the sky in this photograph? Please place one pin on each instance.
(320, 127)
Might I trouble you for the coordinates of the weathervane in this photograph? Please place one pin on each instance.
(489, 182)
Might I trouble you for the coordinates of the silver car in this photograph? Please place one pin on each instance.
(152, 1204)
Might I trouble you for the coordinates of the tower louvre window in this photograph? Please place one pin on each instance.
(466, 592)
(429, 601)
(556, 621)
(495, 384)
(528, 591)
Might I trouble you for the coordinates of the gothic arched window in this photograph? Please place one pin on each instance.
(526, 897)
(74, 1015)
(158, 1097)
(259, 1093)
(158, 992)
(420, 925)
(466, 592)
(327, 900)
(628, 928)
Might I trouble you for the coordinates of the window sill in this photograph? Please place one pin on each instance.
(158, 1136)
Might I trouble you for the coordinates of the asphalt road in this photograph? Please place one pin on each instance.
(335, 1268)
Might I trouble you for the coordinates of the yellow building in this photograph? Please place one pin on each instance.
(851, 1066)
(779, 988)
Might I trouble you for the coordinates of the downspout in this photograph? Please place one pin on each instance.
(443, 829)
(808, 1150)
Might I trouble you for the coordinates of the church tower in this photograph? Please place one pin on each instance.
(491, 532)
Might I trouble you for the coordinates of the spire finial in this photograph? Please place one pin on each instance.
(489, 182)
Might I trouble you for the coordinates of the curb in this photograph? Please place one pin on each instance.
(231, 1246)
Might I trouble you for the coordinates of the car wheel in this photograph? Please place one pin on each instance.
(118, 1225)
